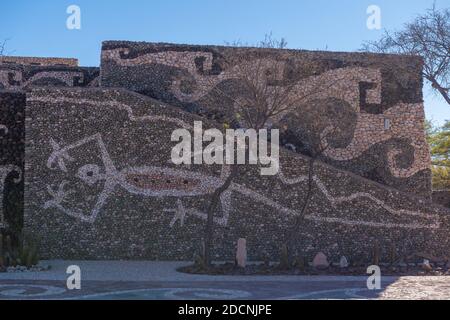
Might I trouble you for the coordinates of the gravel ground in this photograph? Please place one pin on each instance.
(418, 288)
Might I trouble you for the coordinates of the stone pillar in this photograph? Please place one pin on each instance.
(12, 132)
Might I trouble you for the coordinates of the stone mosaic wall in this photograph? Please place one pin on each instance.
(442, 197)
(19, 77)
(37, 61)
(375, 101)
(18, 74)
(100, 185)
(12, 141)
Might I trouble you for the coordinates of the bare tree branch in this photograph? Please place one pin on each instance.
(3, 47)
(428, 36)
(264, 96)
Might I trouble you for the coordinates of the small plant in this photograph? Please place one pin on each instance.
(301, 263)
(284, 257)
(199, 261)
(199, 258)
(266, 261)
(376, 253)
(2, 261)
(392, 254)
(25, 253)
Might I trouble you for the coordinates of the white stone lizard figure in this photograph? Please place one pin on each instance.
(161, 182)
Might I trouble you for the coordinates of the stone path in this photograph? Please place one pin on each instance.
(159, 280)
(418, 288)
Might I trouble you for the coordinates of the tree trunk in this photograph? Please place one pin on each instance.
(292, 236)
(444, 92)
(209, 230)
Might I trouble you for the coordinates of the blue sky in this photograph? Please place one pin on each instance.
(38, 28)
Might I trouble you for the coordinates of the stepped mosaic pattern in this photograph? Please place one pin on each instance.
(19, 77)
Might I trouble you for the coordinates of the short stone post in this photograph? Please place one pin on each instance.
(320, 261)
(241, 253)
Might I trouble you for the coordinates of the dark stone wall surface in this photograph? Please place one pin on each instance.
(442, 197)
(374, 101)
(99, 184)
(12, 143)
(18, 74)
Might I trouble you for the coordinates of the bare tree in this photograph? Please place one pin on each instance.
(268, 42)
(3, 47)
(263, 99)
(255, 104)
(316, 142)
(428, 36)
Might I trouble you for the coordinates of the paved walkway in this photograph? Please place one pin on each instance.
(160, 280)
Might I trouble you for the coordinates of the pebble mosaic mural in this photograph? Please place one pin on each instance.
(379, 98)
(101, 185)
(86, 165)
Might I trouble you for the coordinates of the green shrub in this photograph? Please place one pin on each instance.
(25, 253)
